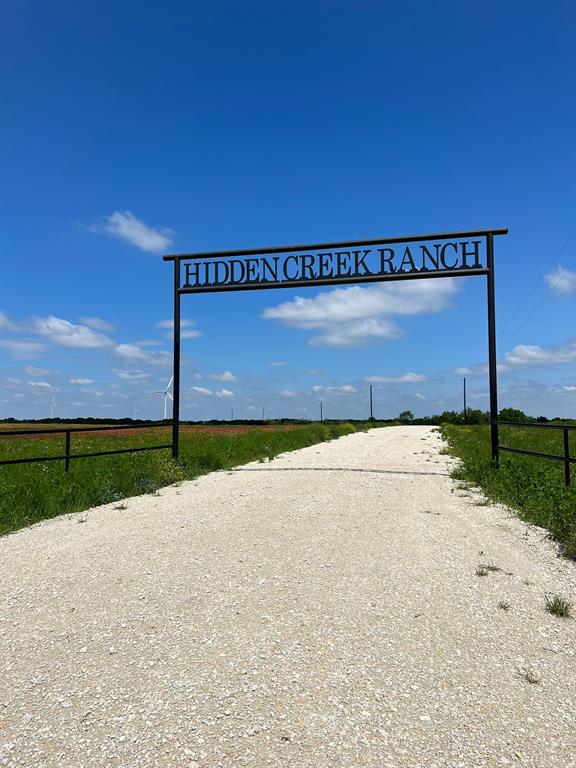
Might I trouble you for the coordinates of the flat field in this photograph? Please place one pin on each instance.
(33, 492)
(532, 486)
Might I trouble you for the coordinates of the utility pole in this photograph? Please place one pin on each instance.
(465, 411)
(321, 411)
(262, 413)
(232, 414)
(371, 408)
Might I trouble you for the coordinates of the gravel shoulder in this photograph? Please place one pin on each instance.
(321, 609)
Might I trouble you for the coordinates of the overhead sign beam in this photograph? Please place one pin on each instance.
(447, 254)
(365, 261)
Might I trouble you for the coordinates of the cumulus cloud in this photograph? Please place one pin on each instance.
(561, 281)
(225, 376)
(81, 381)
(209, 393)
(6, 324)
(123, 225)
(66, 334)
(32, 370)
(132, 376)
(41, 385)
(356, 334)
(202, 391)
(97, 323)
(288, 393)
(531, 354)
(352, 317)
(346, 389)
(95, 392)
(135, 354)
(407, 378)
(526, 355)
(22, 349)
(186, 330)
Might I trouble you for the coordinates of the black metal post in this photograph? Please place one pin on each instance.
(566, 458)
(67, 459)
(321, 411)
(465, 410)
(371, 408)
(176, 363)
(492, 348)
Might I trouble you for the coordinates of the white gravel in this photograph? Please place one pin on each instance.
(321, 609)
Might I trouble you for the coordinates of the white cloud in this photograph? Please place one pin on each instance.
(527, 354)
(561, 281)
(419, 396)
(357, 334)
(41, 385)
(226, 376)
(346, 389)
(288, 393)
(22, 350)
(123, 225)
(67, 334)
(81, 381)
(135, 376)
(225, 393)
(569, 388)
(134, 354)
(6, 324)
(32, 370)
(202, 391)
(186, 330)
(95, 392)
(407, 378)
(351, 317)
(97, 323)
(277, 363)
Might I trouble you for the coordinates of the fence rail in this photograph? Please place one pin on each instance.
(68, 456)
(565, 457)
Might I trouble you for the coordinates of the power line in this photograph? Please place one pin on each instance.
(534, 287)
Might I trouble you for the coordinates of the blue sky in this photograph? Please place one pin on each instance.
(134, 129)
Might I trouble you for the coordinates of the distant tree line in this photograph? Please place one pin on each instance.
(475, 417)
(405, 417)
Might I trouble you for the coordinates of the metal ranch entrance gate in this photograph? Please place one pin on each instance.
(448, 254)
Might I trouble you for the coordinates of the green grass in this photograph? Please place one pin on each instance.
(533, 487)
(33, 492)
(558, 606)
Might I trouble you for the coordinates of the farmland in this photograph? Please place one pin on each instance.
(33, 492)
(533, 487)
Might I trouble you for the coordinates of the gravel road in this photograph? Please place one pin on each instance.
(321, 609)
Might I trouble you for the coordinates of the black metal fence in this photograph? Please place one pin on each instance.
(565, 457)
(68, 456)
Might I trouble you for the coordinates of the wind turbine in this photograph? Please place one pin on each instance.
(52, 406)
(166, 394)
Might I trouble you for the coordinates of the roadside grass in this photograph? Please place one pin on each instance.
(533, 487)
(33, 492)
(558, 606)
